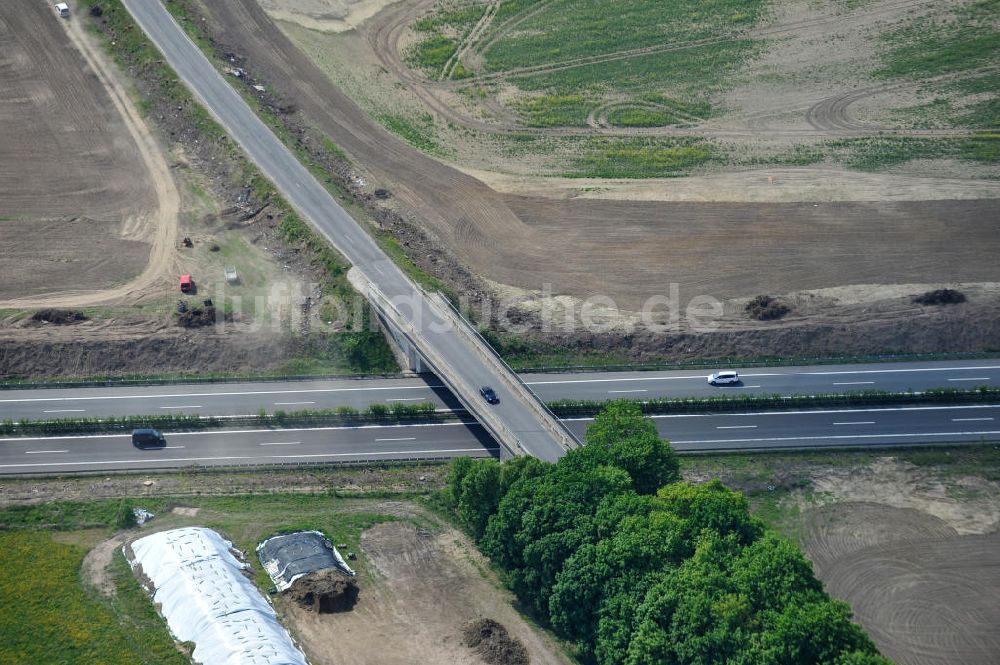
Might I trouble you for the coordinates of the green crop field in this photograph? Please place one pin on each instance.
(567, 29)
(47, 616)
(572, 65)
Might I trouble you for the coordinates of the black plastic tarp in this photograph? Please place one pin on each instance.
(290, 556)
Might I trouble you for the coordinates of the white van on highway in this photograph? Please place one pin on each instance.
(726, 377)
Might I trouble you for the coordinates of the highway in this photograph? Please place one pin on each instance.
(221, 399)
(831, 428)
(456, 359)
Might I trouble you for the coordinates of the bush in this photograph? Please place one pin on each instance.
(125, 515)
(766, 308)
(940, 297)
(58, 316)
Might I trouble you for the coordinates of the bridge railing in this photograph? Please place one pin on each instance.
(548, 419)
(496, 427)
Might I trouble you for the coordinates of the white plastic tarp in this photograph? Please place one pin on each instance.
(203, 595)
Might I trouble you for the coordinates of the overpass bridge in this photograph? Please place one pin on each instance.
(428, 329)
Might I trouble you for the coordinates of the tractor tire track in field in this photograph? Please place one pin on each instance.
(833, 113)
(477, 31)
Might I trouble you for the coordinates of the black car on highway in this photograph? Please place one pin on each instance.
(489, 395)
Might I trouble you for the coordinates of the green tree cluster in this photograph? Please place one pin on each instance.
(635, 567)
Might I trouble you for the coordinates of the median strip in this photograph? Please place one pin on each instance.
(403, 413)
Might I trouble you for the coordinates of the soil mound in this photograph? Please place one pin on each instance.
(493, 643)
(324, 591)
(58, 316)
(767, 308)
(940, 297)
(197, 318)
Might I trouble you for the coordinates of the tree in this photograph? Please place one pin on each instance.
(621, 436)
(772, 573)
(618, 421)
(710, 507)
(460, 466)
(479, 495)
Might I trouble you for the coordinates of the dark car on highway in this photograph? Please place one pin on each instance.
(148, 438)
(489, 395)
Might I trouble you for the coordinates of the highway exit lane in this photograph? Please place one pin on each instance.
(830, 428)
(222, 399)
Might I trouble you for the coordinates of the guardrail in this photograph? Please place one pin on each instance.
(545, 415)
(503, 434)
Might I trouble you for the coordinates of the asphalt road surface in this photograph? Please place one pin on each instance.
(832, 428)
(221, 399)
(465, 365)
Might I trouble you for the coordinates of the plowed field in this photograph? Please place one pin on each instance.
(925, 594)
(86, 205)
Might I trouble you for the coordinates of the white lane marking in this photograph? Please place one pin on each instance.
(974, 378)
(402, 438)
(747, 386)
(236, 458)
(736, 427)
(172, 447)
(641, 390)
(896, 371)
(852, 383)
(858, 422)
(43, 452)
(291, 403)
(837, 437)
(222, 394)
(404, 399)
(965, 420)
(281, 443)
(64, 411)
(189, 406)
(243, 431)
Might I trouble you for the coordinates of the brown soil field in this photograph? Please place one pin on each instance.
(422, 590)
(88, 203)
(623, 249)
(925, 594)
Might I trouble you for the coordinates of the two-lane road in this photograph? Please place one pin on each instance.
(223, 399)
(833, 428)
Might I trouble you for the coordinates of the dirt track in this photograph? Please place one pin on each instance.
(926, 595)
(623, 249)
(89, 202)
